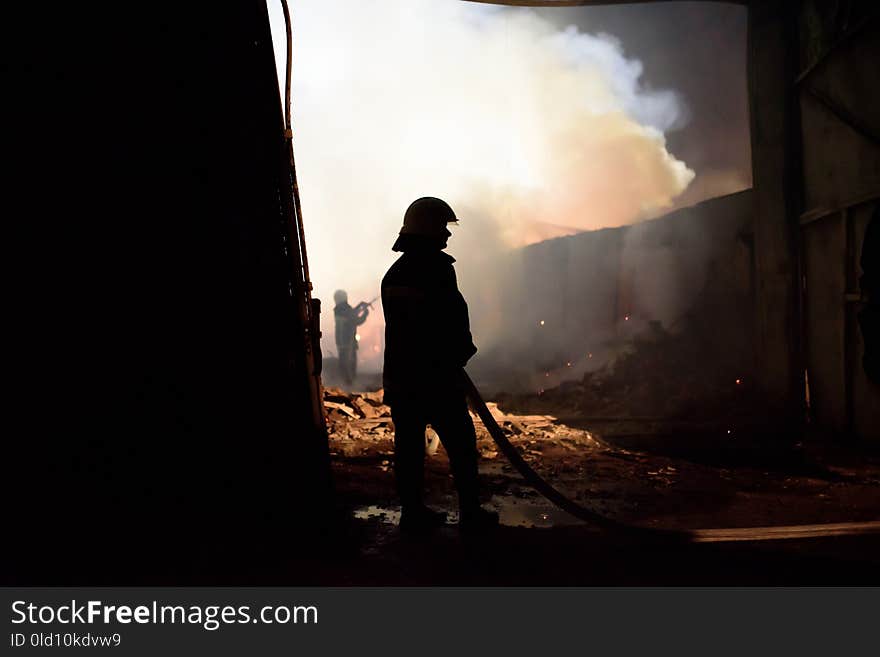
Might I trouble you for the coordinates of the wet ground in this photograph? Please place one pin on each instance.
(677, 480)
(677, 485)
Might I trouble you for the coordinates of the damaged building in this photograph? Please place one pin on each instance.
(682, 283)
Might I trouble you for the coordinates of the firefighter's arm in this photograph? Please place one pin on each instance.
(463, 347)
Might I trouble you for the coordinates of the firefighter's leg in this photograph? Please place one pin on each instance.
(350, 365)
(409, 454)
(340, 361)
(409, 469)
(345, 363)
(453, 424)
(456, 429)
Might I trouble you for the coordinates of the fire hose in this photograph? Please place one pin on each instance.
(532, 478)
(695, 535)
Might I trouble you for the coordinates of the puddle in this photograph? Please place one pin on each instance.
(518, 512)
(374, 512)
(513, 512)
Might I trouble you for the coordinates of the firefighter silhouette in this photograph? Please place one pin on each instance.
(427, 343)
(347, 319)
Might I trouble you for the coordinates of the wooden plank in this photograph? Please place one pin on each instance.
(342, 407)
(785, 532)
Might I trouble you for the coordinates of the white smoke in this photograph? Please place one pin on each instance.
(529, 132)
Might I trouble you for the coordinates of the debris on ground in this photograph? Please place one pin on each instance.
(655, 376)
(359, 420)
(356, 418)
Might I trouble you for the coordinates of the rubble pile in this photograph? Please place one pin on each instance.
(666, 375)
(359, 423)
(658, 375)
(358, 416)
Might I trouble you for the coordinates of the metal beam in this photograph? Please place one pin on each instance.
(816, 214)
(844, 115)
(845, 38)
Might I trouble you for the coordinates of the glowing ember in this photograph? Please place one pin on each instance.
(568, 364)
(542, 322)
(626, 318)
(738, 381)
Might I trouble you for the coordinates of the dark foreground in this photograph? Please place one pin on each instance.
(682, 480)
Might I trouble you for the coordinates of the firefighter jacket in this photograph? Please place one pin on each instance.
(427, 330)
(347, 319)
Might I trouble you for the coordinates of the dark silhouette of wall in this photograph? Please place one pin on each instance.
(837, 100)
(158, 367)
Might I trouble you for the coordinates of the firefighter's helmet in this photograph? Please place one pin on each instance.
(428, 217)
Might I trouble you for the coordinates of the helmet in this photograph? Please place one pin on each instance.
(340, 296)
(428, 216)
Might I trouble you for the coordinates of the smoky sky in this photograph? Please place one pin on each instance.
(531, 123)
(699, 50)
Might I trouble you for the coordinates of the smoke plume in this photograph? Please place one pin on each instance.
(528, 131)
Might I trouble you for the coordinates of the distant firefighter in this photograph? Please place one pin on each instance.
(347, 320)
